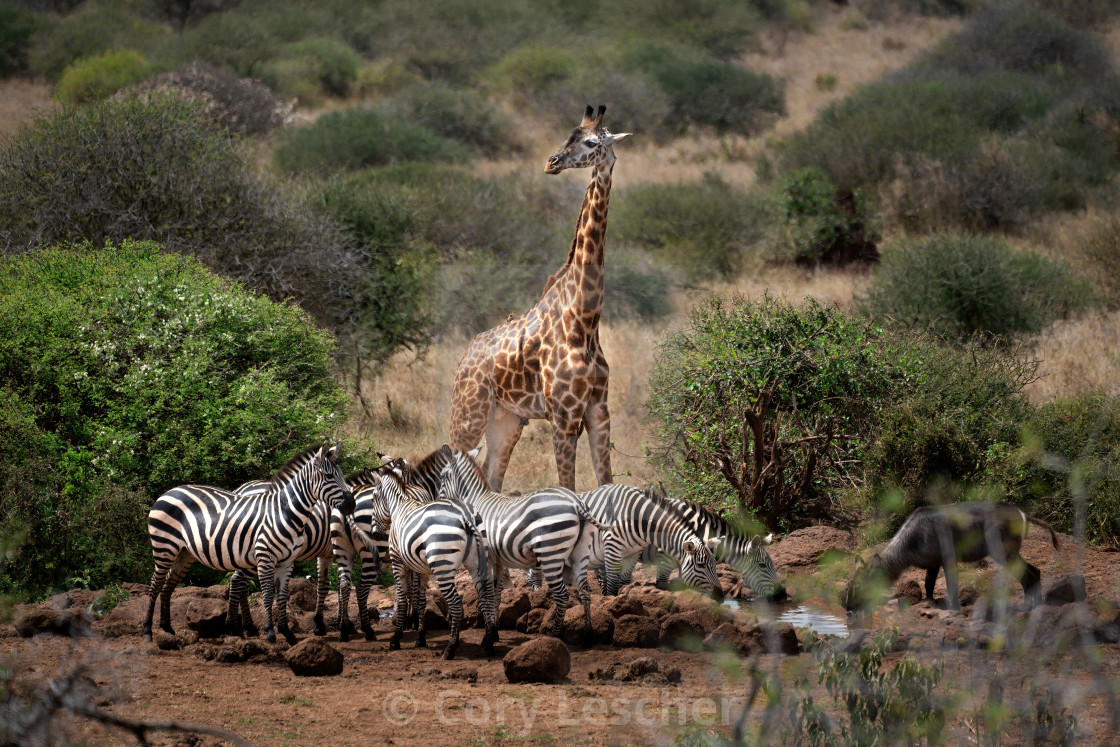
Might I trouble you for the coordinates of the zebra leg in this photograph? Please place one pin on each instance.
(366, 581)
(584, 590)
(554, 576)
(283, 574)
(177, 573)
(613, 563)
(446, 581)
(402, 577)
(345, 627)
(478, 565)
(419, 607)
(247, 625)
(155, 586)
(533, 576)
(664, 565)
(324, 568)
(238, 590)
(266, 572)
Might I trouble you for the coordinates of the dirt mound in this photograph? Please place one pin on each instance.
(801, 550)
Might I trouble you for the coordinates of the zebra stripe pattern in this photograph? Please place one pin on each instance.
(551, 527)
(639, 519)
(221, 530)
(746, 555)
(433, 538)
(329, 536)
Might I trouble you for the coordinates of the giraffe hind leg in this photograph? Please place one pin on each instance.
(502, 433)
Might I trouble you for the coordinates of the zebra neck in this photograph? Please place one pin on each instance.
(296, 502)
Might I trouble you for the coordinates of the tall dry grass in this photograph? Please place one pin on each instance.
(20, 99)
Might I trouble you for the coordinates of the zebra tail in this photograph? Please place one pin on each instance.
(366, 538)
(585, 514)
(483, 549)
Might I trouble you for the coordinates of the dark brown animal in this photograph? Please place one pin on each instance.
(933, 538)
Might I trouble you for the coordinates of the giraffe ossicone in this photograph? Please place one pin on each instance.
(547, 364)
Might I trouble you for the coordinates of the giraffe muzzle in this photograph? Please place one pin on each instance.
(553, 165)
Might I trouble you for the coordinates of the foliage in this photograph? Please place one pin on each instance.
(154, 166)
(815, 221)
(705, 91)
(1101, 253)
(705, 228)
(723, 28)
(17, 26)
(1013, 115)
(955, 419)
(312, 68)
(94, 78)
(766, 404)
(127, 371)
(459, 114)
(960, 285)
(360, 137)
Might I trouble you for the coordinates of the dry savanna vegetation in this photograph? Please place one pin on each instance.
(875, 241)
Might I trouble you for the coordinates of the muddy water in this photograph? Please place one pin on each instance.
(800, 614)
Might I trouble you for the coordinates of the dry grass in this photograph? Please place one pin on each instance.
(19, 100)
(1079, 356)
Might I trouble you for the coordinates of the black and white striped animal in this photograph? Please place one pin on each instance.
(433, 538)
(638, 519)
(551, 528)
(936, 537)
(328, 536)
(747, 555)
(215, 527)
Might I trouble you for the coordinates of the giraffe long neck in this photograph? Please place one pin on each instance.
(583, 282)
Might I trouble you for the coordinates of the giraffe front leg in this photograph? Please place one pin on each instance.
(565, 433)
(502, 433)
(598, 421)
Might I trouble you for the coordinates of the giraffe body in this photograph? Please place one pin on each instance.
(547, 364)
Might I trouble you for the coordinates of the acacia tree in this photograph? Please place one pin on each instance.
(764, 405)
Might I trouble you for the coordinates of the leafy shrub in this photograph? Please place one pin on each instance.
(241, 104)
(706, 229)
(956, 415)
(156, 167)
(635, 290)
(534, 66)
(1080, 13)
(706, 91)
(722, 27)
(234, 41)
(755, 382)
(127, 371)
(816, 222)
(1101, 252)
(959, 285)
(357, 138)
(96, 27)
(95, 78)
(17, 26)
(313, 67)
(455, 113)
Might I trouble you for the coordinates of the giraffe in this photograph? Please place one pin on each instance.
(547, 364)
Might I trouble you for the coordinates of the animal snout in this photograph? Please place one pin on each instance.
(346, 504)
(778, 595)
(553, 165)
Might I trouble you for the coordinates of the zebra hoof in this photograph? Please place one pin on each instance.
(421, 643)
(394, 644)
(449, 652)
(370, 634)
(271, 637)
(320, 627)
(251, 631)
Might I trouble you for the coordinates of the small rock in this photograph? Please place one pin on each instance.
(728, 636)
(1067, 590)
(166, 641)
(38, 621)
(627, 605)
(228, 655)
(207, 615)
(510, 612)
(638, 669)
(314, 657)
(909, 591)
(530, 622)
(685, 631)
(636, 631)
(543, 659)
(302, 594)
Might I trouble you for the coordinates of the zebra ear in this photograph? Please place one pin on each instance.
(714, 542)
(689, 546)
(334, 451)
(768, 539)
(473, 453)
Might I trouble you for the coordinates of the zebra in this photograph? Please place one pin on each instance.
(328, 536)
(746, 555)
(551, 527)
(215, 527)
(432, 538)
(641, 518)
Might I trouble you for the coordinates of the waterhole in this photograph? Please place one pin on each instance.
(799, 614)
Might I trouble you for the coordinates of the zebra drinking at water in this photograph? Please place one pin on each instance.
(639, 519)
(433, 538)
(328, 536)
(748, 556)
(551, 527)
(215, 527)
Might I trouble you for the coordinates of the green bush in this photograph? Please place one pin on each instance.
(706, 229)
(458, 114)
(96, 27)
(127, 371)
(533, 67)
(755, 382)
(706, 91)
(723, 28)
(156, 167)
(312, 68)
(815, 221)
(960, 285)
(357, 138)
(95, 78)
(17, 27)
(1012, 116)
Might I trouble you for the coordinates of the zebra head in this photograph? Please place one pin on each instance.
(698, 568)
(326, 480)
(757, 569)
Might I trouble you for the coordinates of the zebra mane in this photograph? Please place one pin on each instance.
(366, 476)
(292, 466)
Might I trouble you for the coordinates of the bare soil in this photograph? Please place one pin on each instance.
(413, 697)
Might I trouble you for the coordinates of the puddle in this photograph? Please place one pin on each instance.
(800, 615)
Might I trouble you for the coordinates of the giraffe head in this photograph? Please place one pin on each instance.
(590, 144)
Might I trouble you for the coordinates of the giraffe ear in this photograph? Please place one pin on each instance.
(616, 136)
